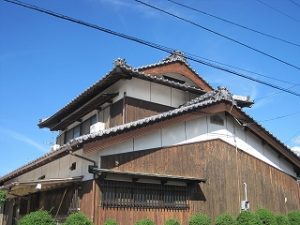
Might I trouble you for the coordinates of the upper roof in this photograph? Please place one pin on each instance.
(176, 62)
(221, 97)
(121, 70)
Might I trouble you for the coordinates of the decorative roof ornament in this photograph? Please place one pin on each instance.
(176, 55)
(120, 62)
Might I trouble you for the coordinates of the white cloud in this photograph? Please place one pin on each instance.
(296, 150)
(296, 140)
(23, 138)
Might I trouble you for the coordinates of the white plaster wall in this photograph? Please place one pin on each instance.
(138, 88)
(160, 94)
(192, 131)
(152, 140)
(173, 134)
(178, 97)
(126, 146)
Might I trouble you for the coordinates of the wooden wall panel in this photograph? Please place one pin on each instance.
(116, 113)
(224, 167)
(134, 109)
(139, 109)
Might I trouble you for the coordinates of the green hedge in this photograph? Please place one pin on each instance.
(37, 218)
(2, 197)
(282, 220)
(172, 222)
(199, 219)
(145, 222)
(294, 218)
(248, 218)
(77, 219)
(111, 222)
(225, 219)
(266, 217)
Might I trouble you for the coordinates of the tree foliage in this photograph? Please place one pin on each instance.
(266, 217)
(172, 222)
(294, 218)
(225, 219)
(2, 197)
(37, 218)
(248, 218)
(77, 219)
(111, 222)
(145, 222)
(200, 219)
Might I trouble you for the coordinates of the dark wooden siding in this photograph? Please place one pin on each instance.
(139, 109)
(116, 113)
(134, 109)
(226, 170)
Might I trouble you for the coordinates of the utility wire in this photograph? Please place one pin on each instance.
(147, 43)
(278, 11)
(295, 3)
(218, 34)
(274, 93)
(236, 24)
(246, 70)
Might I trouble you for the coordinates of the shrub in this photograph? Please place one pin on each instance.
(294, 218)
(172, 222)
(111, 222)
(199, 219)
(282, 220)
(37, 218)
(145, 222)
(248, 218)
(2, 197)
(225, 219)
(77, 219)
(266, 217)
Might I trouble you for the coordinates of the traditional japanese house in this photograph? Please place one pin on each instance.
(155, 142)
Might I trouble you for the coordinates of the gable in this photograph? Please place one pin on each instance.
(180, 68)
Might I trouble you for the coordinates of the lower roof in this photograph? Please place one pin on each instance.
(17, 189)
(141, 175)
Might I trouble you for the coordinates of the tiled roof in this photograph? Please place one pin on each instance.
(204, 100)
(176, 56)
(120, 67)
(208, 99)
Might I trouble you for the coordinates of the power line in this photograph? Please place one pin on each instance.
(295, 3)
(280, 117)
(218, 34)
(147, 43)
(236, 24)
(274, 93)
(278, 11)
(246, 70)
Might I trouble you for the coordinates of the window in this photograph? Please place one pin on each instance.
(139, 195)
(81, 129)
(217, 119)
(76, 131)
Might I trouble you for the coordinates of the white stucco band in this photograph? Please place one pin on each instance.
(202, 129)
(192, 131)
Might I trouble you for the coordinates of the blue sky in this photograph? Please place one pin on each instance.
(45, 62)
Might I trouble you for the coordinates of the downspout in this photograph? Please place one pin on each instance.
(94, 180)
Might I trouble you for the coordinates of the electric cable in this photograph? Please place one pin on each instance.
(219, 34)
(278, 11)
(235, 23)
(295, 3)
(149, 44)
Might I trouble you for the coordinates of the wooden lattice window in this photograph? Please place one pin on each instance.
(139, 195)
